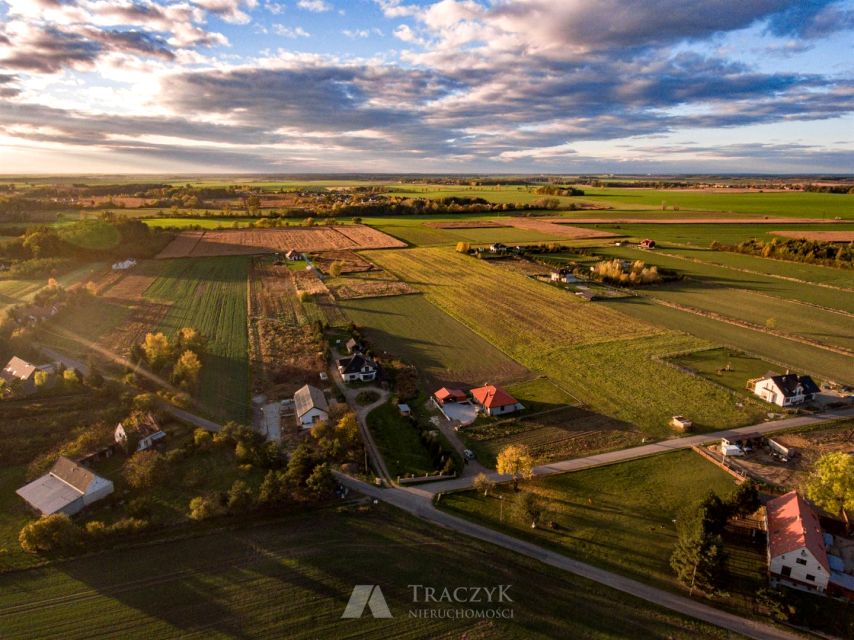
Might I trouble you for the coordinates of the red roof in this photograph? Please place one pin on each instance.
(491, 396)
(793, 525)
(455, 395)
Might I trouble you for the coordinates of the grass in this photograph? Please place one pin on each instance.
(444, 350)
(210, 294)
(786, 353)
(604, 358)
(75, 328)
(17, 290)
(292, 580)
(399, 442)
(726, 367)
(618, 517)
(540, 394)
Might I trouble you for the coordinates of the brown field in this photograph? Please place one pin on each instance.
(144, 318)
(368, 285)
(350, 262)
(231, 242)
(821, 236)
(467, 224)
(520, 265)
(309, 282)
(560, 230)
(712, 220)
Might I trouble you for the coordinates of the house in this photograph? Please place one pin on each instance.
(563, 275)
(646, 243)
(785, 390)
(797, 556)
(310, 406)
(497, 248)
(23, 373)
(67, 488)
(357, 368)
(494, 400)
(139, 434)
(444, 396)
(293, 256)
(353, 346)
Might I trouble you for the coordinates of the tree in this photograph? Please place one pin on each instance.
(483, 483)
(530, 508)
(274, 490)
(698, 559)
(320, 482)
(55, 532)
(463, 247)
(204, 507)
(190, 338)
(144, 469)
(240, 498)
(745, 500)
(515, 460)
(300, 465)
(831, 485)
(187, 370)
(335, 269)
(41, 378)
(156, 349)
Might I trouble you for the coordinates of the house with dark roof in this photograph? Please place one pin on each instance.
(293, 255)
(138, 434)
(310, 406)
(785, 390)
(495, 401)
(797, 556)
(67, 488)
(357, 368)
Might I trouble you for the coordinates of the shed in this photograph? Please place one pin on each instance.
(310, 406)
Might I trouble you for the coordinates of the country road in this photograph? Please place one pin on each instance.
(622, 455)
(417, 502)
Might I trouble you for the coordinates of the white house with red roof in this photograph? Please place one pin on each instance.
(495, 401)
(797, 556)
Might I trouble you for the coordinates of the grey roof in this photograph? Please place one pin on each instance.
(144, 426)
(49, 494)
(308, 398)
(788, 384)
(18, 368)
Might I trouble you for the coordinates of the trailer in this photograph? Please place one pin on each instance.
(783, 452)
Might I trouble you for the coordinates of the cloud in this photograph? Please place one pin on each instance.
(290, 32)
(317, 6)
(362, 33)
(396, 9)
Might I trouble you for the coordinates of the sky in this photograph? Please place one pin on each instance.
(450, 86)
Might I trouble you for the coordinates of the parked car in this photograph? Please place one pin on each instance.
(468, 454)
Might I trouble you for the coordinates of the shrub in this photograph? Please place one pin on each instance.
(204, 507)
(53, 533)
(144, 469)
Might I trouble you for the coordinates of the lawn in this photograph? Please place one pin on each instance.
(606, 359)
(210, 294)
(729, 368)
(293, 579)
(399, 442)
(445, 351)
(618, 517)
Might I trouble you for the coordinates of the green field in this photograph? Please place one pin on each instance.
(618, 517)
(606, 359)
(445, 351)
(293, 579)
(210, 294)
(212, 222)
(729, 368)
(17, 290)
(399, 442)
(704, 234)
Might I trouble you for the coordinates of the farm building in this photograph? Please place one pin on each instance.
(797, 556)
(66, 488)
(498, 248)
(139, 434)
(293, 256)
(494, 400)
(353, 346)
(785, 390)
(357, 368)
(404, 410)
(646, 243)
(563, 275)
(310, 406)
(445, 395)
(23, 373)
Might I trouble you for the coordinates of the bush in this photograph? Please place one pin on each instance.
(204, 507)
(49, 534)
(365, 398)
(144, 469)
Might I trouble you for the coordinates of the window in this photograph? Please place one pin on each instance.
(810, 577)
(786, 571)
(801, 561)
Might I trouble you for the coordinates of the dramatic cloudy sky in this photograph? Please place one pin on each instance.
(406, 85)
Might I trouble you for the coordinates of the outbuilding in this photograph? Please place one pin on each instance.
(67, 488)
(310, 406)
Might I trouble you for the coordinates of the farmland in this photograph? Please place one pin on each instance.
(195, 244)
(210, 295)
(293, 579)
(598, 354)
(444, 350)
(17, 290)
